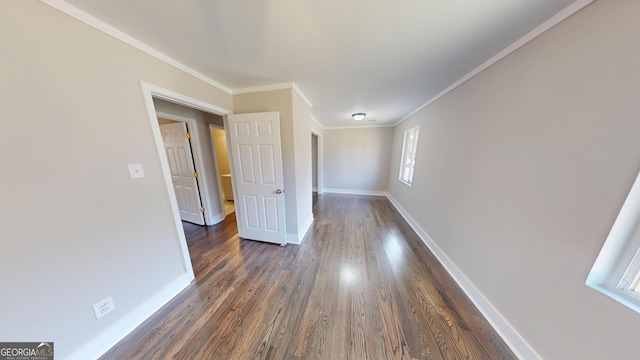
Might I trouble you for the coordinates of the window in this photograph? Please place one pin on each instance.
(616, 272)
(408, 161)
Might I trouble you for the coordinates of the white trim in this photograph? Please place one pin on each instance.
(355, 192)
(553, 21)
(405, 152)
(219, 217)
(297, 89)
(319, 162)
(100, 25)
(511, 337)
(358, 127)
(618, 253)
(297, 238)
(317, 123)
(273, 87)
(100, 344)
(166, 174)
(174, 97)
(262, 88)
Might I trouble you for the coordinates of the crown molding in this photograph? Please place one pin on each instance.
(553, 21)
(318, 123)
(100, 25)
(261, 88)
(297, 89)
(358, 127)
(272, 87)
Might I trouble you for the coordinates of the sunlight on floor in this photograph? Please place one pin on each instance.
(229, 207)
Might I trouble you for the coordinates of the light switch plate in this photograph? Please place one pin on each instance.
(136, 171)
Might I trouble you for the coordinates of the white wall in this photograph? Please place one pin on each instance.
(74, 227)
(210, 188)
(296, 151)
(314, 162)
(522, 170)
(357, 160)
(302, 152)
(316, 128)
(318, 177)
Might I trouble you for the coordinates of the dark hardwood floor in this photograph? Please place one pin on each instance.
(361, 286)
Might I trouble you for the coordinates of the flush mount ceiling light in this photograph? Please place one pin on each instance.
(358, 116)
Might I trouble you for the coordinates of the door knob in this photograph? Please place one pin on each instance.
(278, 191)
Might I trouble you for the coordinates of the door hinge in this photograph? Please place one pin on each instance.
(188, 135)
(202, 210)
(195, 174)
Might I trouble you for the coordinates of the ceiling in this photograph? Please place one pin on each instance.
(382, 57)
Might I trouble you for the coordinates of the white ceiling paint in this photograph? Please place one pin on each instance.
(382, 57)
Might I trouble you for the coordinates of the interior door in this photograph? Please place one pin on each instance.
(254, 141)
(183, 175)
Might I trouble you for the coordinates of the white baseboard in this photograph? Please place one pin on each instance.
(511, 337)
(99, 345)
(217, 218)
(355, 192)
(297, 238)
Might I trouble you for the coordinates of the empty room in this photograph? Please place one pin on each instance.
(320, 179)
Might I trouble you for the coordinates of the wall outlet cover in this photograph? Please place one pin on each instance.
(136, 171)
(103, 307)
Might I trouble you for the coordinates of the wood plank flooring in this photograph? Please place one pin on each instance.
(361, 286)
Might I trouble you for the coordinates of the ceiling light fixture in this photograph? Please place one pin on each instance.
(358, 116)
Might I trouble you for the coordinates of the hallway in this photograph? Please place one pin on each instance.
(361, 286)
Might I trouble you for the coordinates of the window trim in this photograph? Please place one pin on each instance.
(406, 153)
(616, 271)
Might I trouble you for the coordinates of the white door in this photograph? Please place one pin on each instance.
(183, 175)
(254, 140)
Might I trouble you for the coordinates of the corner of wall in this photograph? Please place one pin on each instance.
(511, 337)
(99, 345)
(299, 237)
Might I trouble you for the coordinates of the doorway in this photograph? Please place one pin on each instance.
(176, 136)
(210, 186)
(206, 169)
(316, 163)
(222, 158)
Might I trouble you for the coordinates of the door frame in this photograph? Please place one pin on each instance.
(320, 188)
(150, 91)
(215, 156)
(204, 191)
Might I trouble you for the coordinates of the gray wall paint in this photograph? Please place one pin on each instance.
(522, 170)
(74, 227)
(357, 159)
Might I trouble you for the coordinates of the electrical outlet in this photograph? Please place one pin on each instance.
(103, 307)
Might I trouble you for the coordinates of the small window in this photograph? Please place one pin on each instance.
(408, 161)
(630, 282)
(616, 272)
